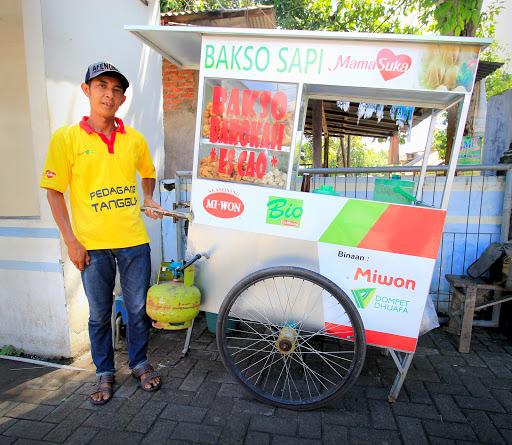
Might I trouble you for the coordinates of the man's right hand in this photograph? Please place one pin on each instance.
(76, 252)
(78, 255)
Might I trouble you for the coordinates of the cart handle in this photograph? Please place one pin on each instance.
(171, 213)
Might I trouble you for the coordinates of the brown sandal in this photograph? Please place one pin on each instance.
(151, 374)
(105, 385)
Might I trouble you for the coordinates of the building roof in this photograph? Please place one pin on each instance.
(262, 17)
(486, 69)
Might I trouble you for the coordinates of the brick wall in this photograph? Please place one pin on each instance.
(179, 87)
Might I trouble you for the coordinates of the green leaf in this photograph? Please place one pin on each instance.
(11, 351)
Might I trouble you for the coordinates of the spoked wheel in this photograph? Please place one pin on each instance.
(272, 337)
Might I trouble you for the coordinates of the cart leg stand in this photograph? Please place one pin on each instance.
(187, 339)
(402, 361)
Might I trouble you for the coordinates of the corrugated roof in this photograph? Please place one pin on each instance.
(486, 68)
(262, 17)
(227, 11)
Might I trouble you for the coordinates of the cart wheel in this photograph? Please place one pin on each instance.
(272, 337)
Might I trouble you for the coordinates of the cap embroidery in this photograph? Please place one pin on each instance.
(103, 67)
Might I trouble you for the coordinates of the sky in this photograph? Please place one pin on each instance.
(503, 27)
(503, 20)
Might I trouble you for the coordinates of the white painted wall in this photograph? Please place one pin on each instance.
(43, 307)
(33, 311)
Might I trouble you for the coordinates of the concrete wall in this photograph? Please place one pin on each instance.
(44, 310)
(498, 127)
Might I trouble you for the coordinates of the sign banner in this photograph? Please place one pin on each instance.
(471, 150)
(392, 65)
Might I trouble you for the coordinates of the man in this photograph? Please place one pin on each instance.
(98, 159)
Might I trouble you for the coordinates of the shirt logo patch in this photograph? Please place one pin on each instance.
(50, 174)
(87, 151)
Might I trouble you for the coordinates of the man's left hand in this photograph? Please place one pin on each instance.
(148, 202)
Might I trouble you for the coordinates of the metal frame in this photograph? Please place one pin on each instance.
(402, 361)
(461, 121)
(426, 154)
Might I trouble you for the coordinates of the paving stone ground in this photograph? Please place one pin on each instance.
(448, 398)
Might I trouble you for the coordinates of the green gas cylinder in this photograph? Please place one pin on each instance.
(174, 304)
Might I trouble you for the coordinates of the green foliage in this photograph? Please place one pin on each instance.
(202, 5)
(446, 17)
(172, 5)
(449, 17)
(350, 15)
(439, 142)
(361, 154)
(500, 80)
(11, 351)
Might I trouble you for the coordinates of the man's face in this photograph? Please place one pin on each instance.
(105, 95)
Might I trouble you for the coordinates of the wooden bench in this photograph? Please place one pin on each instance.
(471, 295)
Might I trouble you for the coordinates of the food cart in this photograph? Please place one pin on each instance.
(302, 282)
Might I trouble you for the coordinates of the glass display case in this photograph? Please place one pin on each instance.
(246, 131)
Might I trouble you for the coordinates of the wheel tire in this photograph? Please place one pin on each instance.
(273, 330)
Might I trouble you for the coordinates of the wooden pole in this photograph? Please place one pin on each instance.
(340, 153)
(326, 151)
(393, 153)
(348, 152)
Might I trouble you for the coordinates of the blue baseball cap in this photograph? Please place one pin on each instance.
(105, 68)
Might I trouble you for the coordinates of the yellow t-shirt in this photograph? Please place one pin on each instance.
(101, 175)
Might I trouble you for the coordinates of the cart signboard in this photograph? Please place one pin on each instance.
(397, 65)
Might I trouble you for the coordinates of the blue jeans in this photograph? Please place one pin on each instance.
(98, 278)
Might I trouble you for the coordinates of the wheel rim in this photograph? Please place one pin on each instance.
(279, 347)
